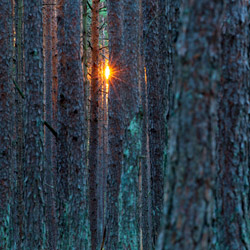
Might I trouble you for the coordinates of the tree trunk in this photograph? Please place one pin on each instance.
(156, 124)
(34, 229)
(233, 171)
(72, 208)
(191, 175)
(6, 125)
(129, 235)
(115, 126)
(19, 120)
(93, 137)
(48, 73)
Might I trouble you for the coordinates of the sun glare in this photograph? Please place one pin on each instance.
(107, 72)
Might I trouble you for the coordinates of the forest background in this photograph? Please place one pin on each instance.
(124, 125)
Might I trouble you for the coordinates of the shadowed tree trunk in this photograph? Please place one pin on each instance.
(72, 207)
(34, 227)
(93, 137)
(156, 96)
(191, 175)
(115, 126)
(48, 85)
(6, 125)
(129, 235)
(19, 120)
(233, 170)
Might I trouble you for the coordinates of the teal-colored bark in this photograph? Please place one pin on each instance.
(129, 189)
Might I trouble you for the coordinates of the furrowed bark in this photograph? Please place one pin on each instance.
(233, 226)
(129, 235)
(115, 126)
(188, 213)
(93, 140)
(6, 125)
(72, 207)
(34, 204)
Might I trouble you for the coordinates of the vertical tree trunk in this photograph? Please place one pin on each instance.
(146, 198)
(6, 125)
(191, 175)
(33, 130)
(48, 79)
(129, 235)
(93, 140)
(115, 126)
(19, 119)
(156, 97)
(72, 220)
(233, 171)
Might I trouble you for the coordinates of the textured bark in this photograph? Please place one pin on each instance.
(48, 73)
(34, 228)
(19, 120)
(115, 126)
(156, 97)
(6, 125)
(129, 235)
(145, 170)
(233, 226)
(190, 185)
(72, 208)
(85, 57)
(93, 137)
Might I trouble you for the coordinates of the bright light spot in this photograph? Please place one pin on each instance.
(107, 72)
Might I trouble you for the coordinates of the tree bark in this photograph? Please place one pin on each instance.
(129, 235)
(72, 176)
(34, 229)
(233, 171)
(93, 140)
(191, 175)
(6, 125)
(48, 117)
(115, 126)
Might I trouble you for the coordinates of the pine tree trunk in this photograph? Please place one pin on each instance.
(129, 235)
(6, 125)
(34, 229)
(49, 168)
(115, 126)
(191, 175)
(233, 171)
(72, 208)
(93, 137)
(156, 121)
(19, 120)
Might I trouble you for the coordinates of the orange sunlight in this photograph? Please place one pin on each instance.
(107, 72)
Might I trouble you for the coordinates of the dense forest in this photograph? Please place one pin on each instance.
(124, 125)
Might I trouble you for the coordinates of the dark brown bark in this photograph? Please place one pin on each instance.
(115, 126)
(6, 125)
(72, 207)
(191, 174)
(233, 170)
(33, 127)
